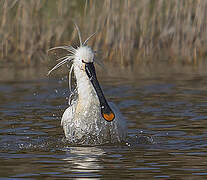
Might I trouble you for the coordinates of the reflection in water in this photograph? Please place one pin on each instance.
(85, 160)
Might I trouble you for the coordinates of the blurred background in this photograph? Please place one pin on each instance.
(129, 32)
(154, 52)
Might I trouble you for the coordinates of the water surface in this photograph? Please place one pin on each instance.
(167, 128)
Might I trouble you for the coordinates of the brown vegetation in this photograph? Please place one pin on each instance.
(129, 31)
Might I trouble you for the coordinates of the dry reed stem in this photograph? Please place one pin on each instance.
(129, 32)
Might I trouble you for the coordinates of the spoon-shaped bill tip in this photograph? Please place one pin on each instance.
(108, 116)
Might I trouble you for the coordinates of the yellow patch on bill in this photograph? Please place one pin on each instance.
(108, 117)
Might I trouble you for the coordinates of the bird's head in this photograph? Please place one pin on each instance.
(85, 54)
(83, 58)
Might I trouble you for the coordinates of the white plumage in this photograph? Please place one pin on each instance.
(89, 119)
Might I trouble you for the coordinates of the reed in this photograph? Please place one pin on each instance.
(129, 31)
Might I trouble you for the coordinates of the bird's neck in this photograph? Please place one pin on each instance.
(86, 92)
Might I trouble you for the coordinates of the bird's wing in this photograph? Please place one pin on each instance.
(68, 115)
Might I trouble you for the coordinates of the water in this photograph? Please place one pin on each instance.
(166, 116)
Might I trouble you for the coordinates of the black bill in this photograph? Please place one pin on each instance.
(106, 111)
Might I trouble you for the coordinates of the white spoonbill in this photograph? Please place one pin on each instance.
(89, 119)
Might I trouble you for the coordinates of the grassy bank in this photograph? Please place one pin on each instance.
(129, 31)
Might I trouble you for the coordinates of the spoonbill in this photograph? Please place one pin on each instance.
(90, 118)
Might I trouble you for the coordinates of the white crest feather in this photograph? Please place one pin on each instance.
(85, 42)
(79, 34)
(83, 51)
